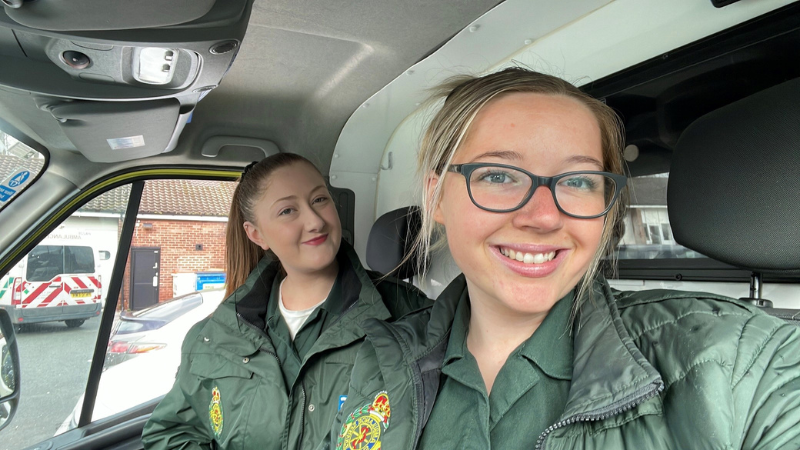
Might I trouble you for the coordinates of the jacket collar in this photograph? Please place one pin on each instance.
(246, 309)
(597, 387)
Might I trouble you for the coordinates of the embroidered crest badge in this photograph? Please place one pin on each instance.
(362, 429)
(215, 411)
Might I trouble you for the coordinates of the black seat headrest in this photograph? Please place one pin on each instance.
(391, 238)
(734, 184)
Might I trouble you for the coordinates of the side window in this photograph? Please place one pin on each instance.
(174, 278)
(649, 257)
(19, 165)
(55, 295)
(647, 231)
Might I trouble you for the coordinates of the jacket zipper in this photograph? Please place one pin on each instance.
(618, 408)
(302, 385)
(302, 415)
(261, 332)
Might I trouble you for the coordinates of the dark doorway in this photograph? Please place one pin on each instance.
(145, 262)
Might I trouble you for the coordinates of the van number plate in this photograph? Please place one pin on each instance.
(81, 293)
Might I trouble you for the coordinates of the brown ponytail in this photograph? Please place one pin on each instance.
(242, 255)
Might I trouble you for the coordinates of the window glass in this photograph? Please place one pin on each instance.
(647, 231)
(19, 165)
(45, 262)
(174, 278)
(56, 295)
(78, 259)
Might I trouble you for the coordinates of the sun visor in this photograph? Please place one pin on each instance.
(120, 131)
(95, 15)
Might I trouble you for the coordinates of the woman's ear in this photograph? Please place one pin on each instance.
(254, 235)
(431, 182)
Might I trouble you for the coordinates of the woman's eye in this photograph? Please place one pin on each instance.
(285, 211)
(496, 177)
(582, 182)
(322, 199)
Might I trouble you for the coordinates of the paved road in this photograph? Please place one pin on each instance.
(54, 362)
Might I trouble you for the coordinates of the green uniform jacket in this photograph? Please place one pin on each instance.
(652, 370)
(230, 392)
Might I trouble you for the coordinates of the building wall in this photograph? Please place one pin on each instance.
(177, 240)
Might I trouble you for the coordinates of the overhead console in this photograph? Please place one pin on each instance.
(85, 61)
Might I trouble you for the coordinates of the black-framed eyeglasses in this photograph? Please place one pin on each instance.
(501, 188)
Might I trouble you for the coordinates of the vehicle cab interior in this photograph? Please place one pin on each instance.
(120, 121)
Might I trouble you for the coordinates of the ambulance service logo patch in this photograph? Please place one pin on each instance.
(362, 429)
(215, 411)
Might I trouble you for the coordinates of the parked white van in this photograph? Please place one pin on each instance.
(57, 281)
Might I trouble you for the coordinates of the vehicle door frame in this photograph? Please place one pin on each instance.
(125, 427)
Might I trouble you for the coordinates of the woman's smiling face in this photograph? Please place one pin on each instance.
(546, 135)
(297, 219)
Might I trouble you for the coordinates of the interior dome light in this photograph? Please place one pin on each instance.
(153, 65)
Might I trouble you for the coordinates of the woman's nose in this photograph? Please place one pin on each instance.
(313, 221)
(539, 212)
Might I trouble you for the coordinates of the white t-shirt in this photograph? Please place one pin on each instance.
(295, 319)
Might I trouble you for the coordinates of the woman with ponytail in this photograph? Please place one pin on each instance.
(270, 368)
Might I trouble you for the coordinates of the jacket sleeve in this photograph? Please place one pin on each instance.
(773, 417)
(174, 424)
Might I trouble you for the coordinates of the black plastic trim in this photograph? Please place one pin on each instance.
(775, 23)
(701, 269)
(114, 288)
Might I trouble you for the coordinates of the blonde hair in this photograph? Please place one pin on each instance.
(465, 96)
(241, 254)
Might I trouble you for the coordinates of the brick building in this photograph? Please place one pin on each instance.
(181, 223)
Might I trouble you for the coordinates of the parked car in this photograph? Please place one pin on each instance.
(160, 326)
(153, 336)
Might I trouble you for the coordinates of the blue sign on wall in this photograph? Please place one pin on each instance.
(210, 280)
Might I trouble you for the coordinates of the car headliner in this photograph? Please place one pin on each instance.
(304, 66)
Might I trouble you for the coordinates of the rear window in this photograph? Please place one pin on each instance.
(78, 259)
(159, 315)
(172, 309)
(45, 262)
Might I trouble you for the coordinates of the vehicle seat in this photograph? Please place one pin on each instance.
(734, 187)
(391, 238)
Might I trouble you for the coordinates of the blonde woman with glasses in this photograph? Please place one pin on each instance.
(530, 348)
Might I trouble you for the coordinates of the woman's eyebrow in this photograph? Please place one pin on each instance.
(577, 159)
(502, 154)
(288, 197)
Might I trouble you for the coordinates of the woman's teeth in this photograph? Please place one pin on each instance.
(528, 258)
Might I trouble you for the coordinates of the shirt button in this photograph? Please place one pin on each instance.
(311, 408)
(205, 339)
(245, 360)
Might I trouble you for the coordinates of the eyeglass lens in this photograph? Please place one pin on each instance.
(579, 194)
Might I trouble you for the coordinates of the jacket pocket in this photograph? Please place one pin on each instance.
(223, 399)
(214, 366)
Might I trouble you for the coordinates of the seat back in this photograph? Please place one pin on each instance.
(390, 240)
(734, 187)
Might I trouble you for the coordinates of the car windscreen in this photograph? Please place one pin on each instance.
(158, 315)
